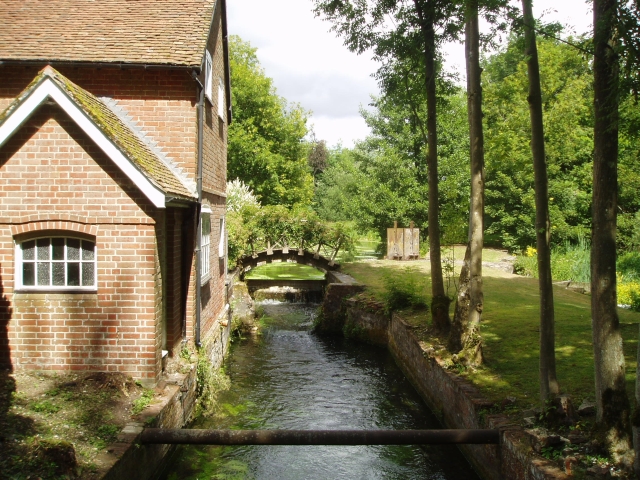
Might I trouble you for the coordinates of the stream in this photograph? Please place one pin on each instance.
(289, 378)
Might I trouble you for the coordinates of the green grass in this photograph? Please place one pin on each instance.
(510, 330)
(285, 271)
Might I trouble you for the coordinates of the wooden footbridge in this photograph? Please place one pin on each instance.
(320, 256)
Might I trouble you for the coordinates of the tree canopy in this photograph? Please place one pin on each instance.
(266, 139)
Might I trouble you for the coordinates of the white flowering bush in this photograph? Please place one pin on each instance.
(240, 195)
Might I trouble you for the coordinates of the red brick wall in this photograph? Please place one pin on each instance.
(50, 171)
(214, 178)
(214, 187)
(162, 102)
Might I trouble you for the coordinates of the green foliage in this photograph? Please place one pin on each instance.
(552, 453)
(142, 402)
(108, 432)
(265, 141)
(209, 381)
(45, 406)
(384, 179)
(252, 228)
(406, 288)
(567, 108)
(628, 265)
(568, 262)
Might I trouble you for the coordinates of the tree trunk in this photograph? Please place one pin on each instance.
(548, 381)
(471, 340)
(461, 312)
(440, 301)
(611, 398)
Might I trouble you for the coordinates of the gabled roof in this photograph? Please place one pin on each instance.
(156, 177)
(148, 32)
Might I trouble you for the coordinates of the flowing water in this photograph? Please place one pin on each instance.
(290, 378)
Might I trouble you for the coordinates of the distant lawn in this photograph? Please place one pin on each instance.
(510, 331)
(284, 271)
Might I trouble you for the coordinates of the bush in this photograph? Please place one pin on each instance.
(629, 265)
(628, 293)
(404, 289)
(568, 262)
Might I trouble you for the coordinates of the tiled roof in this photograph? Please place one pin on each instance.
(154, 167)
(151, 32)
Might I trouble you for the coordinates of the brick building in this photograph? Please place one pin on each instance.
(113, 134)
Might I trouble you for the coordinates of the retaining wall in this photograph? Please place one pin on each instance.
(125, 459)
(458, 403)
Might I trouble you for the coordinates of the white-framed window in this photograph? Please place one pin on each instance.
(222, 244)
(208, 76)
(56, 263)
(205, 244)
(221, 99)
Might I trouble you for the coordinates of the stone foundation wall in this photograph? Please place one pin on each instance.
(126, 459)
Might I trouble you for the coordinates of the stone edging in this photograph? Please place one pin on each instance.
(456, 401)
(126, 458)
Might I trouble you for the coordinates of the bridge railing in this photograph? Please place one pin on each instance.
(274, 227)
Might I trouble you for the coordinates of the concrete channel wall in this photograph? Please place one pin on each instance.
(454, 400)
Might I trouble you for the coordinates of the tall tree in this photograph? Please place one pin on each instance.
(548, 381)
(266, 139)
(612, 403)
(410, 34)
(465, 334)
(439, 301)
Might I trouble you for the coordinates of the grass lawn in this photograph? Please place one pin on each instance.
(510, 331)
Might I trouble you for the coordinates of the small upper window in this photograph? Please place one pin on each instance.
(56, 263)
(208, 76)
(221, 99)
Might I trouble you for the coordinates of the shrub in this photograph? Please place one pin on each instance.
(629, 265)
(404, 289)
(568, 262)
(628, 293)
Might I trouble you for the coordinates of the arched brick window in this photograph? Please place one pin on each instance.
(56, 262)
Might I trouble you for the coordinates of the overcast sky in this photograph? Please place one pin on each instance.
(311, 66)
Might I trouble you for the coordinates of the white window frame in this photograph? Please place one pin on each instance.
(221, 99)
(20, 262)
(205, 244)
(208, 76)
(222, 244)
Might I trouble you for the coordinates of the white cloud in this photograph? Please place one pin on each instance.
(311, 66)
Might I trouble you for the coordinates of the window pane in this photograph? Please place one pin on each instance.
(206, 224)
(88, 274)
(43, 249)
(29, 250)
(73, 249)
(58, 273)
(87, 250)
(58, 248)
(43, 270)
(73, 274)
(29, 273)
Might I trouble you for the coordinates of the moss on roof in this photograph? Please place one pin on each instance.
(120, 134)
